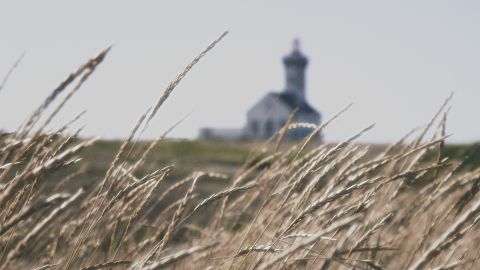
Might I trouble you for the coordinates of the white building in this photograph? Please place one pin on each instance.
(269, 114)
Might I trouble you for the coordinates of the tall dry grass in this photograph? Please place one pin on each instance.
(297, 206)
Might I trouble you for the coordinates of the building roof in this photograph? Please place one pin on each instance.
(291, 102)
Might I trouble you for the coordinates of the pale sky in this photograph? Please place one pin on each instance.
(395, 60)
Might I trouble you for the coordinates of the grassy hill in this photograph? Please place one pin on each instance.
(225, 157)
(185, 155)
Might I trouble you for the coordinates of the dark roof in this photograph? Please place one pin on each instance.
(295, 58)
(290, 101)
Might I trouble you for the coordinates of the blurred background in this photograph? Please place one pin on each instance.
(397, 62)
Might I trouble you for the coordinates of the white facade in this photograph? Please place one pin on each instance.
(268, 115)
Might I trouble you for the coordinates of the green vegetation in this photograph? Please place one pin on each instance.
(225, 157)
(186, 155)
(460, 151)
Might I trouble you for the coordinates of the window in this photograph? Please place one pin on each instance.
(254, 128)
(268, 128)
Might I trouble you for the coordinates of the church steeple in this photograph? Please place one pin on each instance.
(295, 64)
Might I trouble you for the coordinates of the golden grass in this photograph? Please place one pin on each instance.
(305, 205)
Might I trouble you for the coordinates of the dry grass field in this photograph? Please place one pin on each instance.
(70, 203)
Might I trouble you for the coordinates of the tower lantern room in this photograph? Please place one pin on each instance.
(295, 64)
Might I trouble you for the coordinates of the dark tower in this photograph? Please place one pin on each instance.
(295, 64)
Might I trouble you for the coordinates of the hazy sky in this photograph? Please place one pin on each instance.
(395, 60)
